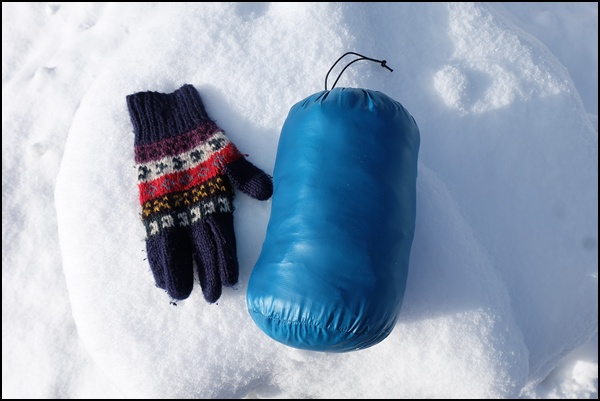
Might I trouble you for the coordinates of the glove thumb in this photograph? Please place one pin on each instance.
(249, 179)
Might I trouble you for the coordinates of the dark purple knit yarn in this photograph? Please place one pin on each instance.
(189, 220)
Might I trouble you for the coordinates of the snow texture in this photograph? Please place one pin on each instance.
(502, 294)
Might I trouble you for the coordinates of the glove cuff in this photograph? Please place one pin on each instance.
(157, 116)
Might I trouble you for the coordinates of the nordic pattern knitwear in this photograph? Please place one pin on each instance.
(186, 170)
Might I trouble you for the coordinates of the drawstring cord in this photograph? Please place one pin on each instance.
(361, 57)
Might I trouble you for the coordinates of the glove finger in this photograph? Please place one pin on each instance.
(221, 225)
(249, 179)
(169, 255)
(205, 254)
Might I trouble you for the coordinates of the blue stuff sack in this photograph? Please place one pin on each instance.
(333, 267)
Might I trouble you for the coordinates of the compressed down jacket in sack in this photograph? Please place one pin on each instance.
(332, 271)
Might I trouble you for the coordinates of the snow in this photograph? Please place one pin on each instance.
(502, 295)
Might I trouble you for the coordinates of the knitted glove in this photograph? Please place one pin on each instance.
(186, 167)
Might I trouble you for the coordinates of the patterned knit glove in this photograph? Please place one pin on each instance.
(186, 167)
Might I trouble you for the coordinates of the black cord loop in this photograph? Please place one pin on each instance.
(361, 57)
